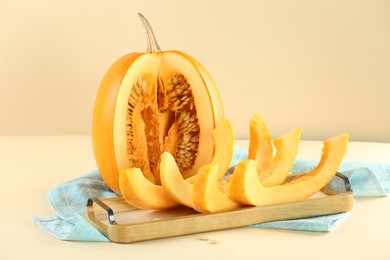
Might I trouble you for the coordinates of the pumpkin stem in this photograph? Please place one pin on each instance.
(153, 46)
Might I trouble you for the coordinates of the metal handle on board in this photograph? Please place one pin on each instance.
(110, 212)
(347, 184)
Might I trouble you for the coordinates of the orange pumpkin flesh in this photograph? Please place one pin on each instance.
(245, 186)
(148, 103)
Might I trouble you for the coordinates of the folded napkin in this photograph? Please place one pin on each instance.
(68, 199)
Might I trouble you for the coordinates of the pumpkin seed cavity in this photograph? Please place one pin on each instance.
(161, 117)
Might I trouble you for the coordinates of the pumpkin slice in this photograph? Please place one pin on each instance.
(207, 196)
(223, 137)
(171, 178)
(173, 182)
(139, 192)
(260, 143)
(286, 152)
(272, 169)
(246, 188)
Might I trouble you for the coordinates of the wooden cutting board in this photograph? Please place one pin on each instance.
(122, 223)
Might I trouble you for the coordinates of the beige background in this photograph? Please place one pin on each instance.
(323, 66)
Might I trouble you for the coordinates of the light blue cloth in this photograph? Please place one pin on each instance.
(68, 199)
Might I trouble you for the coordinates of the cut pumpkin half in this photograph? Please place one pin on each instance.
(246, 188)
(151, 102)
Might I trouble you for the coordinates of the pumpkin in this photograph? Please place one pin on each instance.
(246, 188)
(149, 103)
